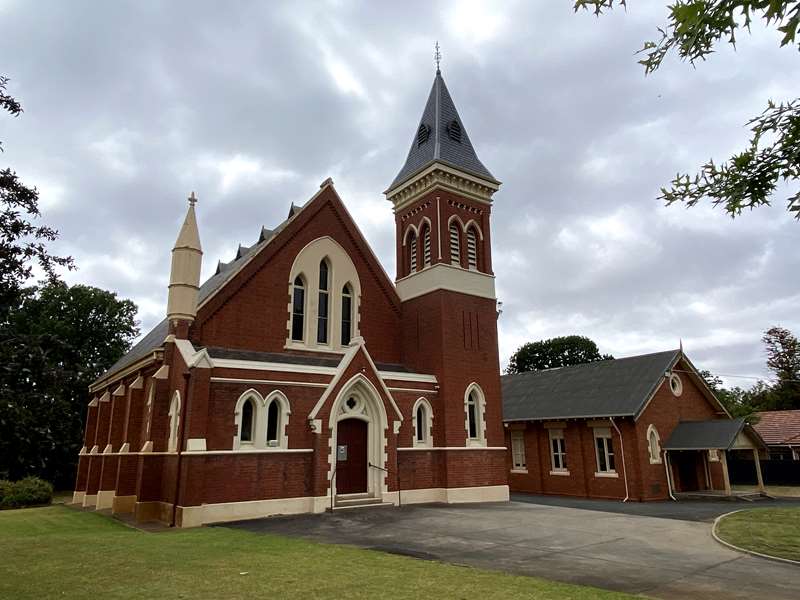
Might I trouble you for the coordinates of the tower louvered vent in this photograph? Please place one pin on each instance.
(423, 133)
(454, 131)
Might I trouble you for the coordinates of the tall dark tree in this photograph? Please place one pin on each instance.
(555, 352)
(783, 359)
(79, 332)
(747, 179)
(54, 340)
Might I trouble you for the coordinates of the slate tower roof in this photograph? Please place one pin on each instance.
(441, 136)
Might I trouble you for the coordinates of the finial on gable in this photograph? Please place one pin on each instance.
(192, 199)
(437, 56)
(681, 344)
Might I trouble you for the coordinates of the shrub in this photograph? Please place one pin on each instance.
(30, 491)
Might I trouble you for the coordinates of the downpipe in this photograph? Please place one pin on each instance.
(669, 479)
(622, 451)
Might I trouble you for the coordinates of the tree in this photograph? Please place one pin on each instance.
(64, 339)
(747, 179)
(555, 352)
(737, 401)
(783, 359)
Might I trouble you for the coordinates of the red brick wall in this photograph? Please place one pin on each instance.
(255, 318)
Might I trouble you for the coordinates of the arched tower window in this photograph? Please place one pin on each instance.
(472, 249)
(412, 252)
(324, 304)
(472, 416)
(422, 421)
(474, 405)
(298, 308)
(248, 422)
(347, 314)
(455, 244)
(654, 445)
(273, 422)
(426, 245)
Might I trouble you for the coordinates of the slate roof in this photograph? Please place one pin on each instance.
(779, 427)
(224, 272)
(443, 142)
(609, 388)
(291, 359)
(719, 434)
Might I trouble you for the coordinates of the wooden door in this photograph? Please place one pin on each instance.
(687, 471)
(351, 456)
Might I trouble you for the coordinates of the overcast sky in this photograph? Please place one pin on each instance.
(131, 105)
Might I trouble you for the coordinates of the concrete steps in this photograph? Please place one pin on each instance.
(354, 501)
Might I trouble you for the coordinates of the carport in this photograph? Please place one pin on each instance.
(697, 456)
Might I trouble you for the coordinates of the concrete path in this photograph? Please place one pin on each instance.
(657, 557)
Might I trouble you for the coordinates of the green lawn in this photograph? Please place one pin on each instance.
(59, 552)
(773, 531)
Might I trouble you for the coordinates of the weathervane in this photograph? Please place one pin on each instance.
(192, 199)
(437, 56)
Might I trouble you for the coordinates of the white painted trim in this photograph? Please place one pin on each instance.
(268, 382)
(562, 472)
(338, 372)
(255, 365)
(448, 448)
(444, 276)
(195, 444)
(413, 390)
(400, 376)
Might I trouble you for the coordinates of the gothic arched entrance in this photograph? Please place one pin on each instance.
(351, 456)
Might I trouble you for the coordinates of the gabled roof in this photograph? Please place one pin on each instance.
(225, 270)
(716, 434)
(441, 136)
(608, 388)
(779, 427)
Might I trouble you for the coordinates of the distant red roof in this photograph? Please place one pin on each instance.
(779, 427)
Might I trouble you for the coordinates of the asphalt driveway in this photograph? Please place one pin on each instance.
(657, 557)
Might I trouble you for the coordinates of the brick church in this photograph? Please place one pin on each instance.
(300, 378)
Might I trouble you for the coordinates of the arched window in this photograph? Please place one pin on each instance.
(174, 422)
(347, 314)
(273, 422)
(455, 244)
(474, 406)
(653, 445)
(248, 422)
(322, 315)
(422, 420)
(426, 246)
(298, 308)
(472, 249)
(412, 250)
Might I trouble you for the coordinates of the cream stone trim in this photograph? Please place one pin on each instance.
(147, 448)
(253, 365)
(608, 475)
(427, 426)
(400, 376)
(162, 373)
(448, 448)
(194, 359)
(95, 449)
(123, 504)
(268, 382)
(441, 176)
(519, 471)
(651, 429)
(82, 451)
(275, 450)
(89, 500)
(125, 449)
(558, 424)
(120, 391)
(108, 449)
(195, 444)
(565, 473)
(195, 516)
(105, 499)
(480, 407)
(444, 276)
(105, 397)
(489, 493)
(316, 425)
(413, 390)
(77, 497)
(137, 383)
(93, 402)
(137, 366)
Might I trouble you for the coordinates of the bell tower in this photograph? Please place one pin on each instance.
(442, 200)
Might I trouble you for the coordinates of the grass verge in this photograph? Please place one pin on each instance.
(771, 531)
(58, 552)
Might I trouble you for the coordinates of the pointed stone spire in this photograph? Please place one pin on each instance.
(184, 279)
(441, 137)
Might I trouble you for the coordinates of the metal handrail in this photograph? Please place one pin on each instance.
(333, 476)
(399, 501)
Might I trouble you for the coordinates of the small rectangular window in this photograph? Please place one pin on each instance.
(518, 449)
(604, 449)
(558, 450)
